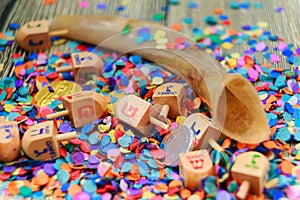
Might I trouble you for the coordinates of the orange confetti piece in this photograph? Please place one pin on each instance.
(48, 2)
(176, 27)
(74, 189)
(66, 166)
(185, 193)
(271, 145)
(175, 183)
(286, 166)
(226, 143)
(12, 188)
(41, 179)
(218, 11)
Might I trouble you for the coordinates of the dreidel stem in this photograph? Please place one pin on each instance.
(243, 190)
(62, 32)
(66, 136)
(164, 113)
(158, 123)
(58, 114)
(215, 145)
(64, 69)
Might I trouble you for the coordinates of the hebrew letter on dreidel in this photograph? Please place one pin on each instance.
(195, 166)
(9, 140)
(250, 169)
(84, 65)
(86, 111)
(173, 95)
(41, 141)
(82, 108)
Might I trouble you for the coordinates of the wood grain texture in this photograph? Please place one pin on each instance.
(285, 24)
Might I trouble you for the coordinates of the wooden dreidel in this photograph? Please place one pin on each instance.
(173, 95)
(35, 35)
(41, 141)
(135, 112)
(82, 108)
(205, 133)
(84, 64)
(195, 166)
(9, 140)
(250, 168)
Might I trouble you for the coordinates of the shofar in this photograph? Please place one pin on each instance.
(235, 106)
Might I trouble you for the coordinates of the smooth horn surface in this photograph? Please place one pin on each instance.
(235, 106)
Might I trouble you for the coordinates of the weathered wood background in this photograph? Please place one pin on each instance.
(285, 24)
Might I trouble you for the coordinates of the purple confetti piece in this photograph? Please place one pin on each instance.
(8, 169)
(49, 169)
(93, 160)
(65, 127)
(279, 9)
(78, 157)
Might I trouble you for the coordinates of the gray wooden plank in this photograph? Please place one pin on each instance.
(30, 10)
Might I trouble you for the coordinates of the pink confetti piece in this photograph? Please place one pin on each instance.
(83, 4)
(282, 46)
(260, 46)
(253, 74)
(275, 58)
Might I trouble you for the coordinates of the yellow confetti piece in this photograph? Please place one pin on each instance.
(263, 96)
(209, 51)
(227, 45)
(157, 81)
(59, 42)
(207, 31)
(125, 2)
(123, 150)
(297, 157)
(94, 152)
(103, 128)
(162, 41)
(296, 173)
(9, 107)
(130, 133)
(271, 183)
(161, 46)
(112, 136)
(180, 119)
(231, 62)
(174, 197)
(148, 195)
(194, 197)
(235, 55)
(159, 34)
(262, 24)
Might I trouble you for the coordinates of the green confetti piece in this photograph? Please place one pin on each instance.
(126, 29)
(158, 17)
(232, 187)
(25, 191)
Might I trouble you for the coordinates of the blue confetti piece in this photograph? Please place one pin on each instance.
(89, 186)
(188, 20)
(126, 167)
(87, 128)
(283, 134)
(289, 108)
(93, 138)
(125, 141)
(63, 176)
(234, 5)
(105, 141)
